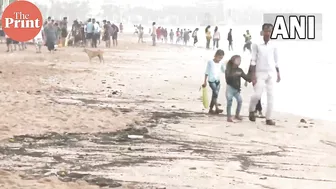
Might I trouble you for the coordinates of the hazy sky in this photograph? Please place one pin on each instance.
(296, 4)
(303, 6)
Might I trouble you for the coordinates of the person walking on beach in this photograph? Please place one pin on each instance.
(121, 27)
(264, 63)
(89, 32)
(171, 36)
(194, 35)
(207, 37)
(186, 37)
(153, 33)
(165, 35)
(9, 43)
(229, 38)
(216, 38)
(233, 75)
(115, 31)
(212, 75)
(50, 36)
(248, 41)
(141, 33)
(96, 32)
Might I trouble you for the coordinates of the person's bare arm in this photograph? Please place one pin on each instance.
(207, 70)
(205, 79)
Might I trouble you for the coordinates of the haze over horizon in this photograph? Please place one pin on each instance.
(297, 5)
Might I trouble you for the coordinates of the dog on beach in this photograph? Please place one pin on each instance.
(38, 44)
(95, 53)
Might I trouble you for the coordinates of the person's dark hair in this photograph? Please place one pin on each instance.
(49, 17)
(230, 63)
(216, 29)
(219, 52)
(89, 20)
(153, 23)
(207, 28)
(65, 18)
(267, 25)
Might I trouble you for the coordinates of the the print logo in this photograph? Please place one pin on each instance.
(295, 26)
(21, 21)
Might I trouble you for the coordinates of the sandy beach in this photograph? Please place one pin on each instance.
(137, 122)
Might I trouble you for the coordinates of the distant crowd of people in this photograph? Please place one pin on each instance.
(56, 33)
(184, 36)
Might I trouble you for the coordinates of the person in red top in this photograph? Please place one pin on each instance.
(158, 33)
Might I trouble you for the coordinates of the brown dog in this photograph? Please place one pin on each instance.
(95, 53)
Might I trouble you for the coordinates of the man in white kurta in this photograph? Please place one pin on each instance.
(264, 66)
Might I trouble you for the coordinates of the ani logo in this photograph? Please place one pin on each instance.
(295, 26)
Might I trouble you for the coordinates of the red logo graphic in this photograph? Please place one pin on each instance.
(21, 21)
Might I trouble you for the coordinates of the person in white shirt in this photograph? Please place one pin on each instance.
(89, 32)
(212, 75)
(216, 38)
(154, 33)
(264, 64)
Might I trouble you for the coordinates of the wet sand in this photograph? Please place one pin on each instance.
(65, 123)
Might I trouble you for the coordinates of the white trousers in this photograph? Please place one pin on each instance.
(264, 80)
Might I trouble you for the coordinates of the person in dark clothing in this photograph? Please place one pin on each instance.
(115, 34)
(194, 35)
(248, 41)
(95, 34)
(50, 35)
(229, 38)
(64, 30)
(107, 33)
(98, 34)
(9, 43)
(259, 109)
(233, 75)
